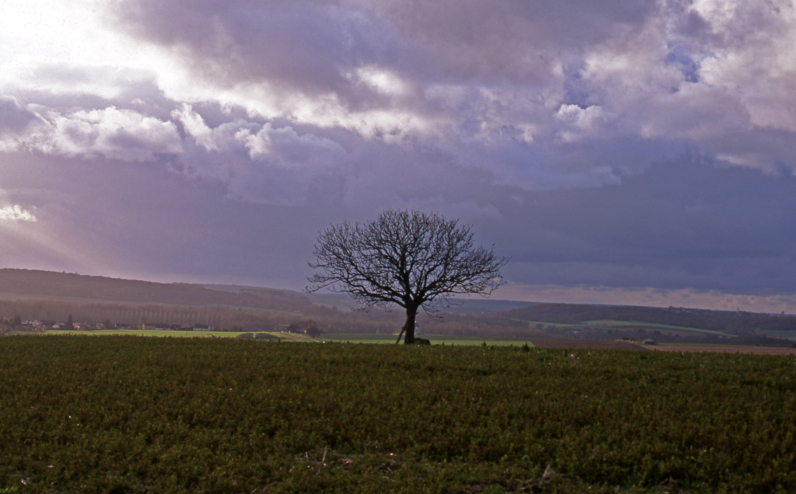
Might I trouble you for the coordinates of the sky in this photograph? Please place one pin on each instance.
(624, 152)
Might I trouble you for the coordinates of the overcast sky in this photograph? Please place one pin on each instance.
(622, 151)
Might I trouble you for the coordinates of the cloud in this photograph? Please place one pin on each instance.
(579, 120)
(705, 74)
(687, 223)
(503, 79)
(256, 161)
(505, 88)
(600, 143)
(16, 213)
(13, 118)
(110, 132)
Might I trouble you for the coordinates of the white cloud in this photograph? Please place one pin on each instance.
(281, 146)
(258, 162)
(579, 121)
(196, 127)
(16, 213)
(286, 148)
(381, 80)
(110, 132)
(581, 118)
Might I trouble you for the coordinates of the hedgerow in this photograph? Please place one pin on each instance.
(141, 415)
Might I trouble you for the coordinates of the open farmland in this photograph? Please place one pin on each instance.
(44, 301)
(593, 344)
(619, 325)
(434, 339)
(297, 337)
(199, 415)
(757, 350)
(144, 332)
(159, 333)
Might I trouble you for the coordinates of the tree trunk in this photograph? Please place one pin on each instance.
(400, 334)
(409, 326)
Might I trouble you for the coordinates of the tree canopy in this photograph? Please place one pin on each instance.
(408, 258)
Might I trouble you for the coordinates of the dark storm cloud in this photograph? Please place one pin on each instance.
(313, 43)
(303, 45)
(691, 223)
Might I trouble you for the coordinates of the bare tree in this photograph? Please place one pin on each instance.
(407, 258)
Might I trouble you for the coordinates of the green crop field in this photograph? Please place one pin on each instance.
(145, 332)
(162, 333)
(185, 415)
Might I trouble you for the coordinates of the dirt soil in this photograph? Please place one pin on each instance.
(760, 350)
(597, 344)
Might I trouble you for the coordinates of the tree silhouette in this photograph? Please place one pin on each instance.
(407, 258)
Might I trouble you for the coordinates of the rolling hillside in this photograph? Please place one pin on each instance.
(43, 295)
(98, 288)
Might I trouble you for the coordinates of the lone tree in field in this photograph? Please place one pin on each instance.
(407, 258)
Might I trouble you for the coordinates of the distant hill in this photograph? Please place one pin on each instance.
(470, 307)
(98, 288)
(49, 295)
(727, 321)
(46, 295)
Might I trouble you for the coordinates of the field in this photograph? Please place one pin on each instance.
(618, 327)
(788, 335)
(434, 339)
(592, 344)
(758, 350)
(161, 333)
(337, 337)
(172, 415)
